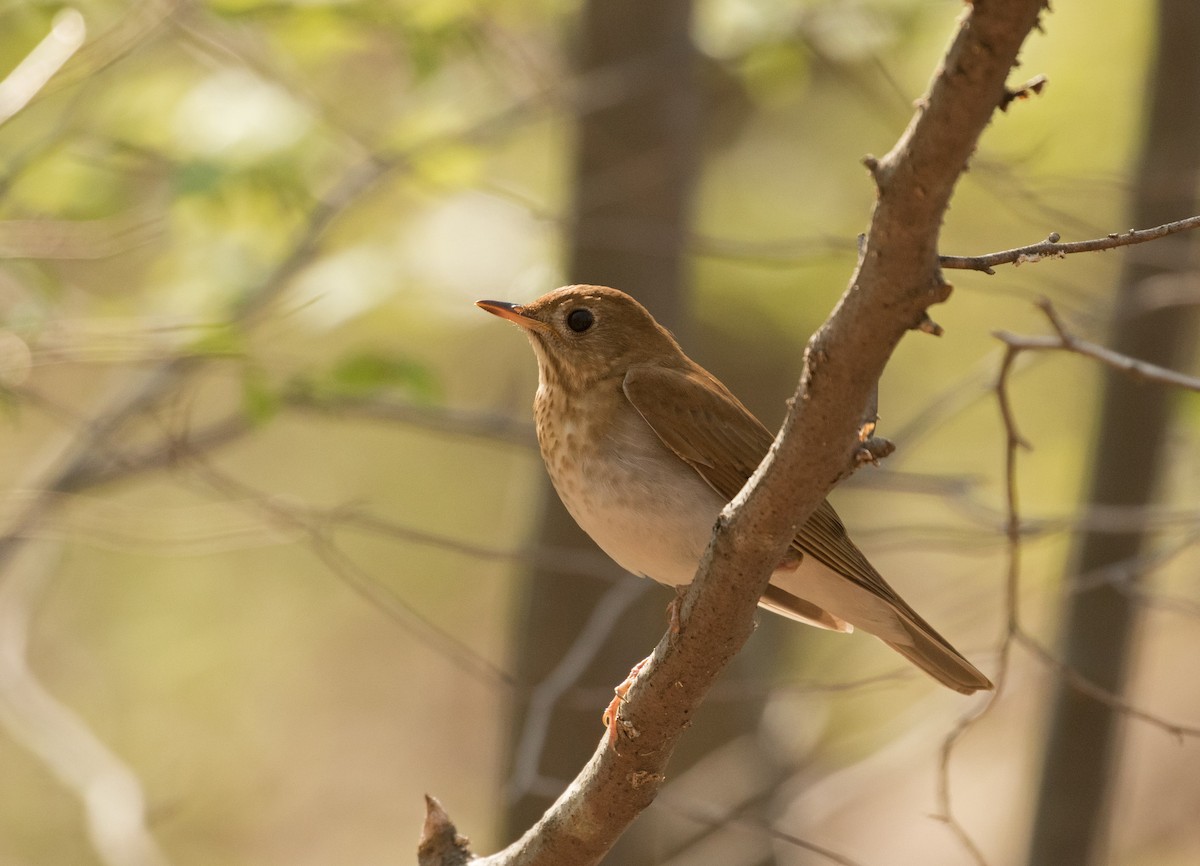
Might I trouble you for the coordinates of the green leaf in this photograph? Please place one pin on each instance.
(367, 374)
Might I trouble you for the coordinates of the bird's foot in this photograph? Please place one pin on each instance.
(610, 715)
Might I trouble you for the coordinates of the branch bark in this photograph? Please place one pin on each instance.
(897, 279)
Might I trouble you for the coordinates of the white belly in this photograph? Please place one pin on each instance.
(654, 515)
(640, 503)
(656, 535)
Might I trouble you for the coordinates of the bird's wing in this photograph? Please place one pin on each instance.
(716, 435)
(709, 429)
(701, 422)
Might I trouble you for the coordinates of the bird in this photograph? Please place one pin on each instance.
(645, 447)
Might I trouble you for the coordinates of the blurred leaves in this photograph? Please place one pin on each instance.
(219, 341)
(260, 401)
(367, 374)
(190, 164)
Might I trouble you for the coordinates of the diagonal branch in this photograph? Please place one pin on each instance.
(898, 278)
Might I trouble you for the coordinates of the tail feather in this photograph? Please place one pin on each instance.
(780, 601)
(941, 661)
(823, 596)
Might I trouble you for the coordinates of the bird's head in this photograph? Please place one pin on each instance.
(583, 334)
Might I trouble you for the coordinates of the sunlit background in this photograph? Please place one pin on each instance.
(271, 496)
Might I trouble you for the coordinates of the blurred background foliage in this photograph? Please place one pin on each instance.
(269, 475)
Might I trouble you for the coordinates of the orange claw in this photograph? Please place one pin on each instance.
(610, 715)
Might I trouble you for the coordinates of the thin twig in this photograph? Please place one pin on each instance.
(439, 419)
(1053, 247)
(78, 459)
(111, 796)
(320, 539)
(1101, 695)
(710, 819)
(546, 695)
(1063, 340)
(1014, 346)
(66, 36)
(1013, 442)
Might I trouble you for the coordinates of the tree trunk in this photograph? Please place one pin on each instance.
(1082, 752)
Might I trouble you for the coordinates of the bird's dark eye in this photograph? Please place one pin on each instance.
(580, 320)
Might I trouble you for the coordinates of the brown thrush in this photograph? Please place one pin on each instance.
(645, 447)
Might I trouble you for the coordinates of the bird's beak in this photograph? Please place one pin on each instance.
(514, 313)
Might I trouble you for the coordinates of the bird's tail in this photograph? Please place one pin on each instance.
(940, 660)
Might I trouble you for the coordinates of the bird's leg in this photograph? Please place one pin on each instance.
(674, 627)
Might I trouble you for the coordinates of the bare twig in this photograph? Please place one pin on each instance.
(1053, 247)
(1014, 632)
(1064, 340)
(78, 457)
(439, 419)
(783, 253)
(77, 239)
(42, 63)
(108, 790)
(547, 693)
(708, 817)
(567, 560)
(440, 843)
(1032, 87)
(1113, 701)
(317, 529)
(1013, 443)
